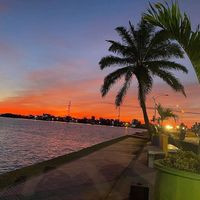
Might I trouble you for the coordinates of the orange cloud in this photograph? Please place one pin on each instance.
(49, 91)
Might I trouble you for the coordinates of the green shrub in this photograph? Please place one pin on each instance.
(184, 145)
(196, 129)
(183, 160)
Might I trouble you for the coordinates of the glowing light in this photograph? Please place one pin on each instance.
(177, 127)
(169, 127)
(126, 124)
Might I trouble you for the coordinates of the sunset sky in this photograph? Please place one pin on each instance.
(49, 54)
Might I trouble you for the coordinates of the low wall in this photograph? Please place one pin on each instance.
(24, 173)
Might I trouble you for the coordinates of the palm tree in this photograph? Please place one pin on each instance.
(177, 26)
(143, 54)
(165, 113)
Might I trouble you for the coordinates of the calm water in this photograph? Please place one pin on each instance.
(24, 142)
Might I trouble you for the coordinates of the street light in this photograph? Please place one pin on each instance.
(155, 104)
(180, 110)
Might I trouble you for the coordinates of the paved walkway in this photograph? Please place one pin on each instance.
(136, 173)
(104, 174)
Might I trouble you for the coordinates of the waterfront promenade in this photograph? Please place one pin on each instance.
(104, 174)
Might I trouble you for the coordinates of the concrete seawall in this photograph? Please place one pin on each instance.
(89, 174)
(24, 173)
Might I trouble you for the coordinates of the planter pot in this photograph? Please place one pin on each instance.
(155, 140)
(172, 184)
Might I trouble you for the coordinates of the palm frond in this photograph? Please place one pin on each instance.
(121, 49)
(166, 65)
(170, 79)
(145, 33)
(112, 60)
(122, 92)
(125, 35)
(165, 113)
(111, 78)
(159, 37)
(134, 37)
(164, 51)
(178, 27)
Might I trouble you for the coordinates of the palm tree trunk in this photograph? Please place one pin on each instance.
(144, 110)
(141, 97)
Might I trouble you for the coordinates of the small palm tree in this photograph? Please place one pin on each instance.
(143, 54)
(177, 26)
(165, 113)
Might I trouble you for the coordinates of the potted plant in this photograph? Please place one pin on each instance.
(164, 114)
(178, 177)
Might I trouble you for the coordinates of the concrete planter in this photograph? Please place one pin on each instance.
(155, 140)
(172, 184)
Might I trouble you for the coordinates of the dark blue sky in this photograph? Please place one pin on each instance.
(49, 44)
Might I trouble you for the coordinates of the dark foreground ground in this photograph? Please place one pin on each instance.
(103, 174)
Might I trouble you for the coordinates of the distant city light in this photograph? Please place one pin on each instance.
(126, 124)
(169, 127)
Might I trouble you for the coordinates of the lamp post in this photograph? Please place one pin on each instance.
(155, 104)
(180, 110)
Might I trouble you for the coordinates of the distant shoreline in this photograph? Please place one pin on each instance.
(93, 121)
(75, 123)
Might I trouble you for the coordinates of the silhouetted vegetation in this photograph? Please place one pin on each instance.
(165, 113)
(142, 54)
(176, 25)
(93, 121)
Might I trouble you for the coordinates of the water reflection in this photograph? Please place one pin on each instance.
(24, 142)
